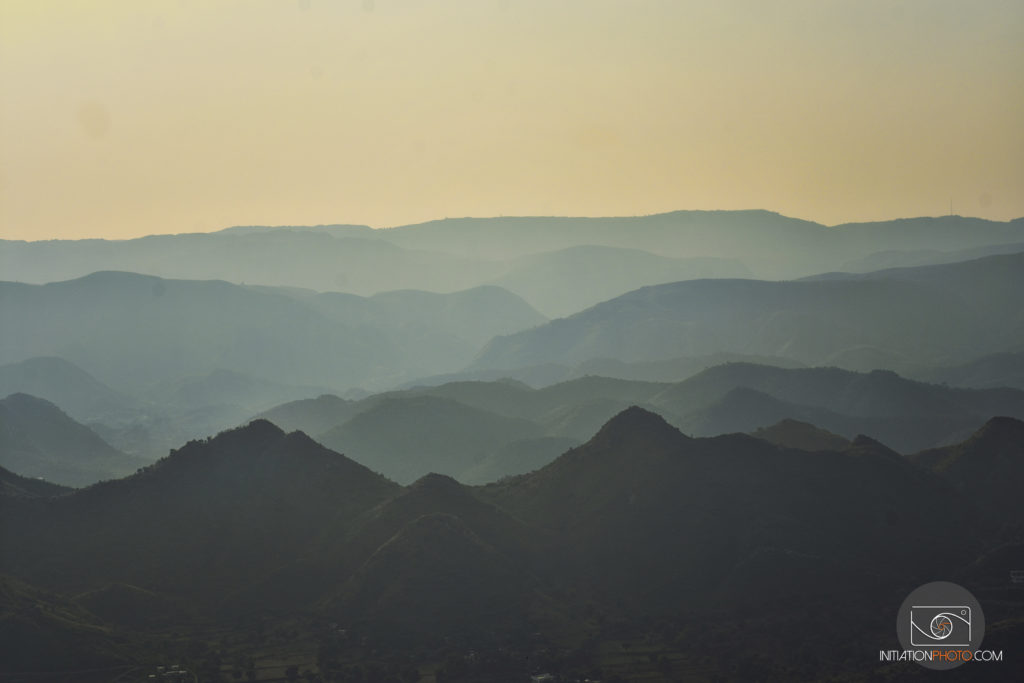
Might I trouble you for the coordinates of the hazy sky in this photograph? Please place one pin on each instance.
(126, 118)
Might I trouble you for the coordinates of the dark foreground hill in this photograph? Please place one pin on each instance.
(12, 484)
(229, 510)
(640, 523)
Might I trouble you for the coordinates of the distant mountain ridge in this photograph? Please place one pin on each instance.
(133, 331)
(526, 254)
(900, 320)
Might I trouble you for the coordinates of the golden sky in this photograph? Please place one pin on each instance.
(125, 118)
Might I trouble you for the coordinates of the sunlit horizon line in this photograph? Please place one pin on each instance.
(284, 226)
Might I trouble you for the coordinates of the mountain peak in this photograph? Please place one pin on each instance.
(801, 435)
(259, 428)
(436, 482)
(865, 444)
(1000, 429)
(635, 421)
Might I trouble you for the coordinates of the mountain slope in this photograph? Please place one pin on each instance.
(45, 632)
(37, 439)
(12, 484)
(565, 281)
(64, 384)
(802, 436)
(232, 510)
(996, 370)
(920, 317)
(988, 466)
(693, 516)
(311, 415)
(406, 438)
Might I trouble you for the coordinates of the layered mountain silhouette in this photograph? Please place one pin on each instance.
(640, 513)
(995, 370)
(134, 331)
(396, 467)
(562, 282)
(637, 524)
(534, 256)
(478, 432)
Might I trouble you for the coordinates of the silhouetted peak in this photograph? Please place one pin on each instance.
(115, 277)
(22, 399)
(259, 431)
(436, 485)
(298, 438)
(30, 406)
(635, 422)
(862, 443)
(1000, 430)
(802, 435)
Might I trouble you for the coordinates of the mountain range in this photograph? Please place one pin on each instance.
(559, 265)
(688, 446)
(640, 522)
(902, 320)
(478, 432)
(135, 331)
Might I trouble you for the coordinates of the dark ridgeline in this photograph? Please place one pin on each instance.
(641, 525)
(16, 485)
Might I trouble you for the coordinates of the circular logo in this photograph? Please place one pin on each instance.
(943, 622)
